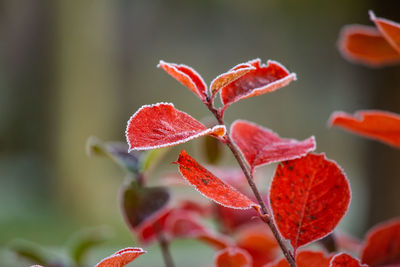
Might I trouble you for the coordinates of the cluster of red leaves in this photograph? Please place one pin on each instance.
(309, 193)
(372, 46)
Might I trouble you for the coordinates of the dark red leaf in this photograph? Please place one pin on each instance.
(231, 219)
(261, 146)
(211, 186)
(140, 204)
(382, 245)
(233, 257)
(308, 196)
(366, 45)
(187, 76)
(263, 79)
(379, 125)
(305, 259)
(162, 125)
(345, 260)
(121, 258)
(228, 77)
(389, 29)
(259, 242)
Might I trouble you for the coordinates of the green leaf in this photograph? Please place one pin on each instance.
(83, 241)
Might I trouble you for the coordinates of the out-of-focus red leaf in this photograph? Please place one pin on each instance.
(228, 77)
(263, 79)
(161, 125)
(366, 45)
(121, 258)
(389, 29)
(382, 245)
(183, 224)
(187, 76)
(347, 243)
(211, 186)
(214, 240)
(305, 258)
(140, 204)
(308, 196)
(146, 233)
(233, 257)
(345, 260)
(259, 242)
(231, 219)
(261, 146)
(375, 124)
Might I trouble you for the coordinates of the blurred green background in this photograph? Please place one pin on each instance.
(71, 69)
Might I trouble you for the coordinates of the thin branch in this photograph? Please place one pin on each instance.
(164, 245)
(235, 151)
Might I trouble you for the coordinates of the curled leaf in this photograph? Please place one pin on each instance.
(379, 125)
(366, 45)
(308, 196)
(121, 258)
(382, 245)
(261, 146)
(345, 260)
(389, 29)
(161, 125)
(211, 186)
(233, 257)
(187, 76)
(140, 204)
(228, 77)
(261, 80)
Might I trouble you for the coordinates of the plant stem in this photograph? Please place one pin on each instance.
(235, 151)
(164, 245)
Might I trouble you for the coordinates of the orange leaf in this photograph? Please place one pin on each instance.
(389, 29)
(366, 45)
(233, 257)
(305, 258)
(121, 258)
(379, 125)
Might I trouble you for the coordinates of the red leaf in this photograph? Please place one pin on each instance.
(187, 76)
(162, 125)
(347, 243)
(305, 259)
(261, 146)
(379, 125)
(146, 233)
(259, 242)
(121, 258)
(233, 257)
(389, 29)
(366, 45)
(264, 79)
(184, 224)
(345, 260)
(308, 196)
(211, 186)
(228, 77)
(382, 245)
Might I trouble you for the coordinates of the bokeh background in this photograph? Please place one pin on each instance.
(72, 69)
